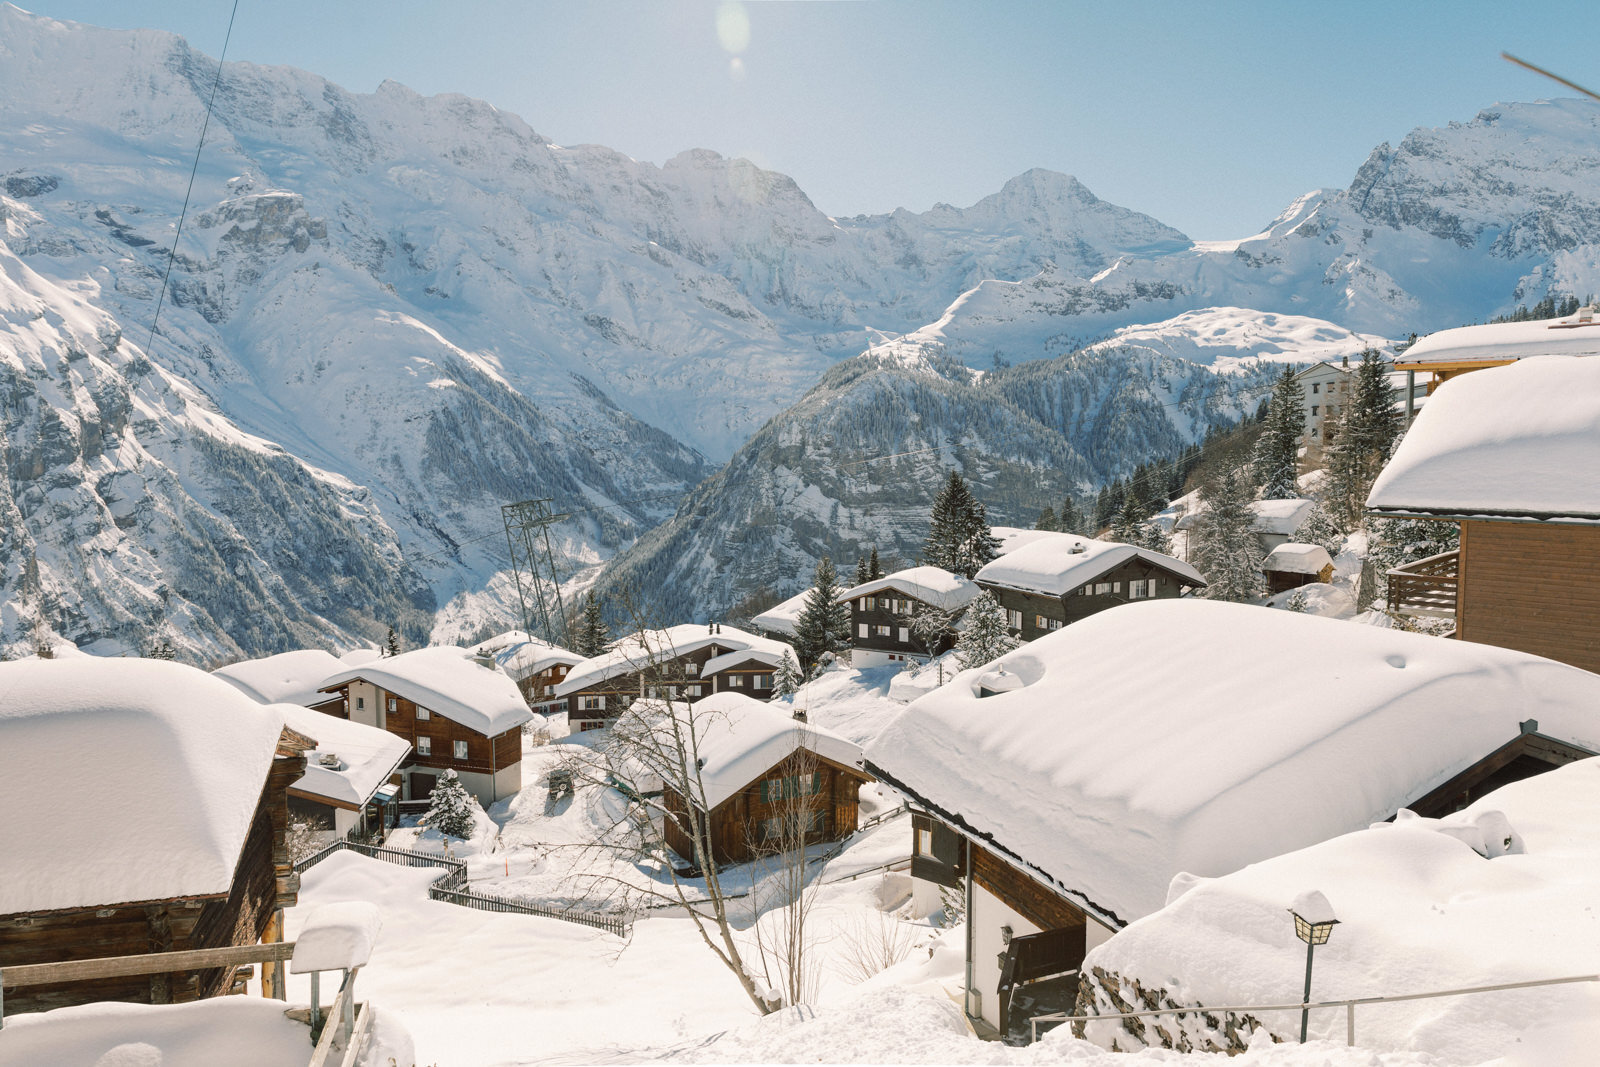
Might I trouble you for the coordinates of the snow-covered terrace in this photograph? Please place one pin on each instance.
(84, 740)
(638, 651)
(931, 585)
(1519, 442)
(1192, 735)
(447, 680)
(1059, 564)
(1503, 341)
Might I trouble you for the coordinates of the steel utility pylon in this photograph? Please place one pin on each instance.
(528, 525)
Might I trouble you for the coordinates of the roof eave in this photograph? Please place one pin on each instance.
(1547, 518)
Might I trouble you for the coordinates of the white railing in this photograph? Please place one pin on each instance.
(1348, 1005)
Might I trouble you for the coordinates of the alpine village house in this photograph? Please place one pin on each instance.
(455, 709)
(197, 859)
(883, 615)
(684, 662)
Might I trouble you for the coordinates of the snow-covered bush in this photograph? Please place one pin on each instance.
(450, 807)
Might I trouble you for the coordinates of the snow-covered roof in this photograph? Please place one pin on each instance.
(1297, 558)
(522, 656)
(1504, 340)
(1415, 899)
(1520, 441)
(448, 681)
(1193, 735)
(1281, 516)
(126, 780)
(740, 738)
(781, 618)
(366, 754)
(287, 678)
(717, 664)
(1012, 538)
(931, 585)
(1057, 565)
(637, 651)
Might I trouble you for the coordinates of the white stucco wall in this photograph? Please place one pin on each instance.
(363, 705)
(987, 914)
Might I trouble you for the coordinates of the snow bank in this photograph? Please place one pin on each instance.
(1190, 735)
(129, 780)
(1419, 910)
(232, 1030)
(638, 651)
(365, 755)
(1501, 341)
(931, 585)
(337, 937)
(449, 681)
(287, 678)
(1515, 441)
(1320, 598)
(1060, 564)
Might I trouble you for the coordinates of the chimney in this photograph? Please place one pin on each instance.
(1345, 362)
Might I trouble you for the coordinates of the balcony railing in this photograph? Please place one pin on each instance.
(1426, 587)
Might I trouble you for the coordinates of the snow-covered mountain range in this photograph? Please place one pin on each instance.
(413, 310)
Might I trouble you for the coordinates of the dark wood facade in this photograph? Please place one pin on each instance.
(1531, 586)
(882, 623)
(1526, 755)
(1031, 615)
(750, 676)
(749, 823)
(264, 883)
(404, 718)
(678, 678)
(1283, 581)
(539, 688)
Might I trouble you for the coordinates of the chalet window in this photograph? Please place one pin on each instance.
(692, 669)
(696, 690)
(461, 750)
(1313, 431)
(392, 705)
(861, 605)
(736, 680)
(1136, 589)
(592, 703)
(794, 785)
(800, 822)
(423, 713)
(924, 842)
(1014, 618)
(361, 703)
(763, 681)
(1102, 588)
(424, 746)
(1314, 410)
(861, 629)
(905, 635)
(651, 692)
(672, 692)
(1316, 387)
(1040, 622)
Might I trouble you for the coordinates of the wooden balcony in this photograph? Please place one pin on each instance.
(1426, 587)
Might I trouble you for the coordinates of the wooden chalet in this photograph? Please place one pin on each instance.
(1060, 789)
(1292, 564)
(1451, 353)
(669, 664)
(291, 678)
(882, 613)
(765, 783)
(536, 666)
(1055, 581)
(1512, 456)
(194, 857)
(352, 783)
(455, 709)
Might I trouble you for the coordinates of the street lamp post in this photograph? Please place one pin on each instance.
(1313, 922)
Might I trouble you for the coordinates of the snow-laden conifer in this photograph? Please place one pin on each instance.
(959, 538)
(450, 807)
(1277, 451)
(986, 637)
(824, 624)
(786, 682)
(592, 637)
(1224, 541)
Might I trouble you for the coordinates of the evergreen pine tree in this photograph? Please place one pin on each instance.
(1318, 528)
(824, 624)
(1277, 451)
(1125, 527)
(450, 807)
(1374, 422)
(1151, 535)
(593, 637)
(959, 538)
(979, 545)
(786, 682)
(986, 637)
(863, 572)
(391, 644)
(1224, 539)
(1071, 518)
(874, 568)
(1046, 520)
(1344, 490)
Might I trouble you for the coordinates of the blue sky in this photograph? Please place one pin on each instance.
(1210, 116)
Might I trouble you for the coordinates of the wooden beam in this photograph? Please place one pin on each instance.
(150, 963)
